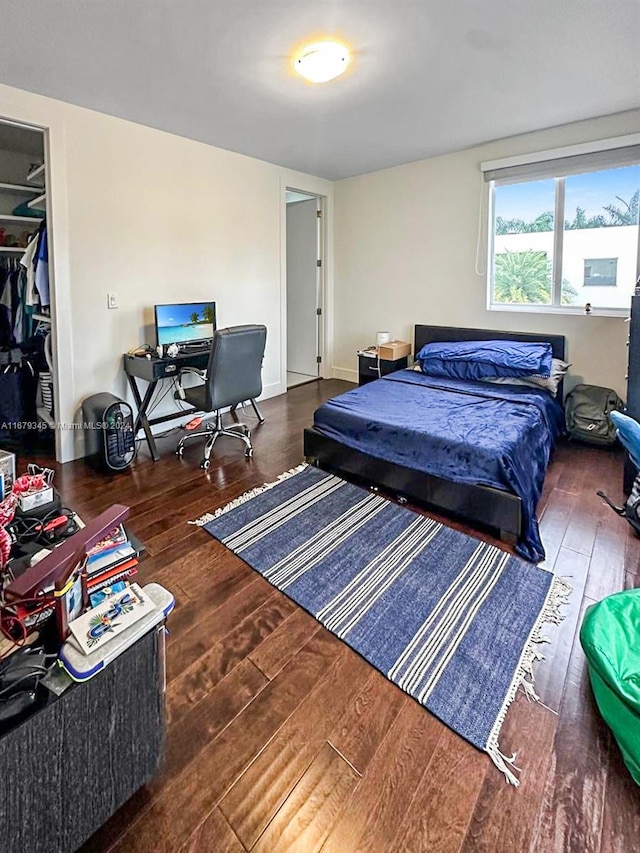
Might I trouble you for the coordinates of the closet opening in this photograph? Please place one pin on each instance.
(27, 366)
(304, 288)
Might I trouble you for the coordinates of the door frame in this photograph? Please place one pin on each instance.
(324, 370)
(59, 278)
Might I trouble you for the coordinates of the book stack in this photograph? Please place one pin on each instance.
(113, 559)
(112, 617)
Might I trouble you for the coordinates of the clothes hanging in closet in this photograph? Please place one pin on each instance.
(36, 263)
(13, 317)
(21, 357)
(24, 290)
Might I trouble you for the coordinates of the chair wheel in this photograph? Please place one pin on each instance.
(206, 464)
(249, 452)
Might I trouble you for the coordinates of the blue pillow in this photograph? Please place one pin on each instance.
(485, 359)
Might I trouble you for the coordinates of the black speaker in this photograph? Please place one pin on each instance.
(108, 427)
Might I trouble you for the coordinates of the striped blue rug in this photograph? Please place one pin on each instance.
(451, 620)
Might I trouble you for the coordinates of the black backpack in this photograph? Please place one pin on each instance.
(631, 508)
(587, 409)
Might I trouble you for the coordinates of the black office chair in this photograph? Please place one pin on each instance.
(234, 375)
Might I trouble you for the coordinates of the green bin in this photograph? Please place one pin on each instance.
(610, 637)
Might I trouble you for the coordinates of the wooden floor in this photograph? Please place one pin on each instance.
(281, 738)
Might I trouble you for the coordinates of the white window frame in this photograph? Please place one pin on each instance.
(547, 157)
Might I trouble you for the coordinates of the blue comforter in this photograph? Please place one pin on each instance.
(470, 432)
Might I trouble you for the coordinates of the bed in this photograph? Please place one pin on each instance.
(473, 449)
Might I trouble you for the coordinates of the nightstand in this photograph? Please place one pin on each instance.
(368, 367)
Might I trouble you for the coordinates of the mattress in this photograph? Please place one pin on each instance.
(469, 432)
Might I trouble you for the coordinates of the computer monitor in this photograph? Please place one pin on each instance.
(185, 324)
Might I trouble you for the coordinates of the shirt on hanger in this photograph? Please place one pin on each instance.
(28, 262)
(42, 267)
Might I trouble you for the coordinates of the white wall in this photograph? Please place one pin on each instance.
(154, 217)
(399, 261)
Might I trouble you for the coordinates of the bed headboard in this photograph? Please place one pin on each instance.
(446, 334)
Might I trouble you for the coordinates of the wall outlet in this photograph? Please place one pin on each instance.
(112, 300)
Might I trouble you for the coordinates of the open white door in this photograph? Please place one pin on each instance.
(303, 292)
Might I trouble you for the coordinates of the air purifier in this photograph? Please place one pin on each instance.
(109, 432)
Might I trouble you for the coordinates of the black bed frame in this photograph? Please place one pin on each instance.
(496, 509)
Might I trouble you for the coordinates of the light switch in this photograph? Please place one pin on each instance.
(112, 300)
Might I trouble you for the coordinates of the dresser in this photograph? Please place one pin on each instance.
(633, 381)
(75, 760)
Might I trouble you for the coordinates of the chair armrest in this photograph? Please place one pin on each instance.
(196, 370)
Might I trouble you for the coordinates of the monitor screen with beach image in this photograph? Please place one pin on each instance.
(188, 323)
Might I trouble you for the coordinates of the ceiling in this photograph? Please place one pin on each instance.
(426, 77)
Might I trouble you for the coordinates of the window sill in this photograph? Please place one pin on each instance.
(573, 310)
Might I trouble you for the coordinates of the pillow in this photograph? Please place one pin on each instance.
(485, 359)
(548, 383)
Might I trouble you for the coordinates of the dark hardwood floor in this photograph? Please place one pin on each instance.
(282, 739)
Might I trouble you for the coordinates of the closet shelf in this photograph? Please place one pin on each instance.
(37, 173)
(38, 202)
(17, 249)
(18, 188)
(7, 217)
(44, 415)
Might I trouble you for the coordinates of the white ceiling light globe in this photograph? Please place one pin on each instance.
(322, 61)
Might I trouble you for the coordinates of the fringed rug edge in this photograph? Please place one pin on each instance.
(247, 496)
(559, 592)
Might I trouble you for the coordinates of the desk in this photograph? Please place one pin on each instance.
(153, 370)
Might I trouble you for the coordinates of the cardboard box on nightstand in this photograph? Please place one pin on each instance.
(393, 350)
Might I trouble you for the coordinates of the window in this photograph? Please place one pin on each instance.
(562, 234)
(600, 272)
(523, 243)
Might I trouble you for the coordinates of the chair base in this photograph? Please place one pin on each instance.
(212, 433)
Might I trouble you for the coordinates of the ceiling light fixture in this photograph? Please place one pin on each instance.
(322, 61)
